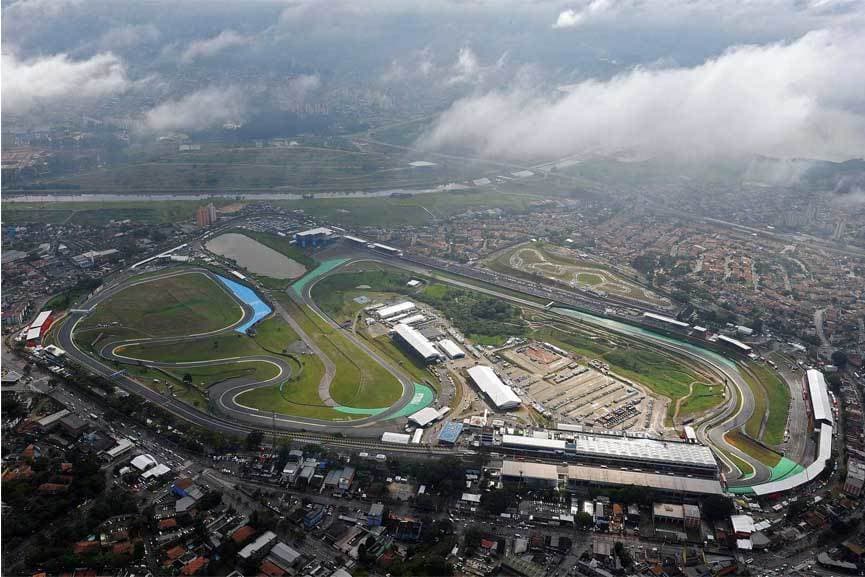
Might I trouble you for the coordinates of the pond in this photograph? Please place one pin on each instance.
(255, 257)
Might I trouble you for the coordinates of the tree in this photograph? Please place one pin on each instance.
(253, 440)
(839, 359)
(622, 554)
(584, 520)
(717, 507)
(497, 502)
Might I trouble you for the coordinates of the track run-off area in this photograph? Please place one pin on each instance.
(225, 366)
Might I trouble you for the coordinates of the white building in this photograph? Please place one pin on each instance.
(501, 395)
(819, 395)
(393, 310)
(413, 339)
(424, 417)
(395, 438)
(451, 349)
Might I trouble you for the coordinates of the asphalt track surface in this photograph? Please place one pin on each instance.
(239, 419)
(233, 418)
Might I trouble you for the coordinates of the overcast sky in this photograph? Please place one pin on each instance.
(539, 80)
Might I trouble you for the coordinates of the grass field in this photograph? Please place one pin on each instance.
(771, 395)
(703, 397)
(298, 396)
(179, 305)
(652, 369)
(273, 335)
(746, 445)
(96, 213)
(359, 380)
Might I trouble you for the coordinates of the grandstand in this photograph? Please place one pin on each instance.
(819, 395)
(642, 453)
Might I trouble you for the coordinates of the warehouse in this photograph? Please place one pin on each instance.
(530, 474)
(416, 342)
(451, 349)
(395, 438)
(819, 396)
(501, 395)
(387, 312)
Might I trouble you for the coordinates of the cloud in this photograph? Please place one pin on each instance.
(572, 18)
(291, 94)
(39, 8)
(128, 36)
(200, 110)
(212, 46)
(803, 99)
(59, 80)
(466, 68)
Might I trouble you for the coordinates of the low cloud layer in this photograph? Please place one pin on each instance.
(803, 98)
(572, 18)
(59, 80)
(213, 46)
(201, 110)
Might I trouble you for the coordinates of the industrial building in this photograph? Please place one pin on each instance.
(387, 312)
(501, 395)
(451, 349)
(621, 450)
(415, 342)
(541, 475)
(313, 237)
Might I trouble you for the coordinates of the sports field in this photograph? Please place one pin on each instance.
(184, 304)
(359, 380)
(570, 267)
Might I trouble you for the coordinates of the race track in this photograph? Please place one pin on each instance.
(226, 414)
